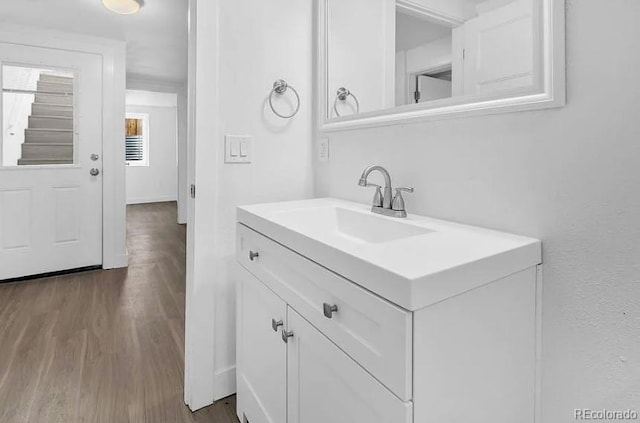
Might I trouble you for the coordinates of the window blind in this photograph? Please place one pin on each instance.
(134, 148)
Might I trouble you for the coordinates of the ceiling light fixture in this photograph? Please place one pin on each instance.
(123, 7)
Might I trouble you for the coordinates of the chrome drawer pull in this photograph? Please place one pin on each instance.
(253, 256)
(276, 324)
(286, 334)
(329, 310)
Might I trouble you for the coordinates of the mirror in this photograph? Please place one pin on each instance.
(406, 59)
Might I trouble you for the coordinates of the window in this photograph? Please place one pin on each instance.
(37, 116)
(137, 139)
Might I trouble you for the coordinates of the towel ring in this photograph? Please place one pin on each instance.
(280, 87)
(342, 95)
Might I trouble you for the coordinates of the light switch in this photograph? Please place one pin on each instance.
(323, 150)
(237, 149)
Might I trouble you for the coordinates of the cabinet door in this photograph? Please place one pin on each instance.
(261, 353)
(326, 385)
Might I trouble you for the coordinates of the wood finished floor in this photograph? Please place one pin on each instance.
(103, 346)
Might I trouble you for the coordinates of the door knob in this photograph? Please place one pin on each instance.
(286, 334)
(94, 172)
(275, 324)
(94, 157)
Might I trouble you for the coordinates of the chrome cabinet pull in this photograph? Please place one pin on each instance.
(286, 334)
(253, 255)
(276, 324)
(329, 310)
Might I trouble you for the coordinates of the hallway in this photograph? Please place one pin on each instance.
(103, 346)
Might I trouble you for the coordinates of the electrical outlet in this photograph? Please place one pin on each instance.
(323, 150)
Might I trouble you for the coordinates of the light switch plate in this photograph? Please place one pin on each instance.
(323, 150)
(237, 149)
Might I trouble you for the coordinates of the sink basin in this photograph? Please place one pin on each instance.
(413, 262)
(351, 225)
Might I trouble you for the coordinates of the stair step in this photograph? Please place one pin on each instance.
(32, 162)
(61, 100)
(55, 79)
(55, 136)
(47, 151)
(50, 122)
(38, 109)
(55, 87)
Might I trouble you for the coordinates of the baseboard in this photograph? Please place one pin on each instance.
(225, 383)
(182, 212)
(148, 200)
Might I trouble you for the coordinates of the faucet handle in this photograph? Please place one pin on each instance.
(398, 200)
(405, 189)
(377, 198)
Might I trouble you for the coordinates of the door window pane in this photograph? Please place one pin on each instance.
(37, 116)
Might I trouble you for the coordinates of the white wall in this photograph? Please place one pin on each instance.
(159, 181)
(430, 55)
(361, 53)
(569, 177)
(401, 88)
(16, 109)
(232, 85)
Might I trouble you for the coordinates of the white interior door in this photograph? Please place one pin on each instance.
(50, 185)
(499, 49)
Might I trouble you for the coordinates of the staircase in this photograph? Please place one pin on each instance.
(49, 137)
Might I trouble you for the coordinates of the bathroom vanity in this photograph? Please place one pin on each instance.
(346, 316)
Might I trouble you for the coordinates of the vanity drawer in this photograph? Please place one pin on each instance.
(374, 332)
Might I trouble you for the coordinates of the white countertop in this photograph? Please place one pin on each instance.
(412, 262)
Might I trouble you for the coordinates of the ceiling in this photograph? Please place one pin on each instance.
(156, 37)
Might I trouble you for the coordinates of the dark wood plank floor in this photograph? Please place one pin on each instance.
(103, 346)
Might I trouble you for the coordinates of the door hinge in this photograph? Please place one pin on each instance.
(193, 190)
(464, 54)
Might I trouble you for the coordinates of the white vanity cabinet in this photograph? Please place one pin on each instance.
(323, 382)
(324, 336)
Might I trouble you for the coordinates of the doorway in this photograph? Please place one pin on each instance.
(432, 84)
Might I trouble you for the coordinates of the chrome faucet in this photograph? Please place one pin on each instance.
(386, 203)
